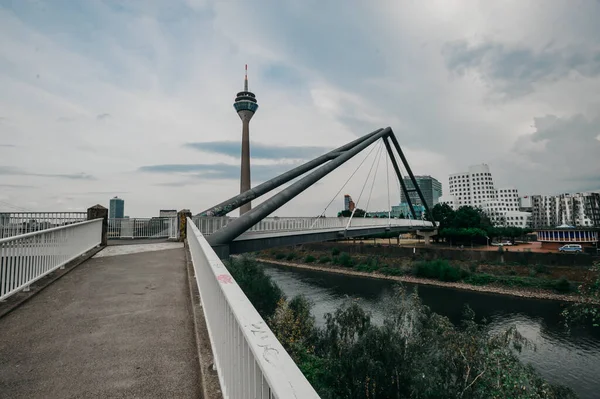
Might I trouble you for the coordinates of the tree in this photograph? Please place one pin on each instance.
(443, 214)
(358, 213)
(587, 307)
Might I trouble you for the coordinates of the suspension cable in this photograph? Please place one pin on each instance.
(362, 190)
(373, 184)
(387, 179)
(344, 185)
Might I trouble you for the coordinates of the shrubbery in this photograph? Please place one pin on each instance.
(439, 269)
(309, 259)
(416, 353)
(324, 259)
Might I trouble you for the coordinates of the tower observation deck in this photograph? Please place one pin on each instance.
(245, 105)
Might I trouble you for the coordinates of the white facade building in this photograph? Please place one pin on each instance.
(476, 188)
(579, 209)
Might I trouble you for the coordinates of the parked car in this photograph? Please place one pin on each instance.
(571, 248)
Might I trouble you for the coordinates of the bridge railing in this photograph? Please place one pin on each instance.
(28, 257)
(249, 359)
(208, 225)
(142, 228)
(16, 223)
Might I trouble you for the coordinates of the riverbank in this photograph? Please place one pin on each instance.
(512, 291)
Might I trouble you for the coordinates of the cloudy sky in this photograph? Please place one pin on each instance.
(134, 98)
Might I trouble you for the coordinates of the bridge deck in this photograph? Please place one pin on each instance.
(116, 326)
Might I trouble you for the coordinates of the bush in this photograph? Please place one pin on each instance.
(324, 259)
(335, 252)
(391, 271)
(542, 269)
(481, 279)
(309, 259)
(439, 269)
(279, 255)
(258, 287)
(563, 285)
(291, 256)
(345, 260)
(369, 268)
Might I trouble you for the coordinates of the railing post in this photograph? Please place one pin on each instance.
(100, 212)
(182, 216)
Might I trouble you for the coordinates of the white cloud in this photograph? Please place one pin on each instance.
(119, 88)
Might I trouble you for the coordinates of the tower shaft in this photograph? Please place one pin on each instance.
(245, 171)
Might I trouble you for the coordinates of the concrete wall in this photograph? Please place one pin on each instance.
(523, 258)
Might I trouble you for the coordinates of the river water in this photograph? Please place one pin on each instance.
(571, 359)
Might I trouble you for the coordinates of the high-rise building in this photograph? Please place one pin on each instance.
(579, 209)
(476, 188)
(347, 200)
(430, 187)
(116, 209)
(245, 106)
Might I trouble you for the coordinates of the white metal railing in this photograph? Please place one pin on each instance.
(142, 228)
(16, 223)
(28, 257)
(250, 361)
(208, 225)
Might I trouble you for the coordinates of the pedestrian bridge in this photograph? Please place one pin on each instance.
(79, 318)
(123, 323)
(284, 231)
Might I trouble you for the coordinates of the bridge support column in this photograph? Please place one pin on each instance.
(100, 212)
(427, 235)
(182, 216)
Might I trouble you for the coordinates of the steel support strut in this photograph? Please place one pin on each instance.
(235, 202)
(412, 177)
(238, 226)
(400, 177)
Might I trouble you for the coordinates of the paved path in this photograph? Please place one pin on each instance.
(115, 327)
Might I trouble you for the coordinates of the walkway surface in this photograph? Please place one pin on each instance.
(117, 326)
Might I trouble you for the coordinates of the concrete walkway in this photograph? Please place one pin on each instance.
(115, 327)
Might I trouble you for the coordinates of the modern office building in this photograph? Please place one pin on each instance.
(403, 210)
(116, 209)
(348, 203)
(579, 209)
(245, 105)
(476, 188)
(430, 187)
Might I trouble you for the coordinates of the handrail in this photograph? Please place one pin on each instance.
(34, 233)
(26, 258)
(249, 359)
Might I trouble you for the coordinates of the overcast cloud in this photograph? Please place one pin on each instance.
(104, 98)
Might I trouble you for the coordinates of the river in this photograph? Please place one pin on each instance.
(571, 359)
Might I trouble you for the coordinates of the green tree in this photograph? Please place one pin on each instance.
(258, 287)
(587, 307)
(358, 213)
(443, 214)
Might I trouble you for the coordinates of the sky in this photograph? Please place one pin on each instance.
(135, 98)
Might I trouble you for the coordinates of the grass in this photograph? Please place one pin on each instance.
(291, 256)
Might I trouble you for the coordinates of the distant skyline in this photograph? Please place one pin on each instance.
(105, 98)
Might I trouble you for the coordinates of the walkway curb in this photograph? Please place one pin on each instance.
(209, 379)
(21, 297)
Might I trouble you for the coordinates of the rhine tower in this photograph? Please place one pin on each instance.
(245, 105)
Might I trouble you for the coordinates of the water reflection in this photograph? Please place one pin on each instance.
(572, 359)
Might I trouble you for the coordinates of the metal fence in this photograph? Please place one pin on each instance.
(250, 361)
(142, 228)
(208, 225)
(16, 223)
(28, 257)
